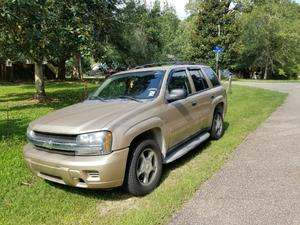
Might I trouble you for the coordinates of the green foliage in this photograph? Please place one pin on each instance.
(144, 34)
(258, 35)
(47, 30)
(270, 40)
(215, 25)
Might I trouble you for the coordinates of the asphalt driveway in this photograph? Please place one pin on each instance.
(260, 184)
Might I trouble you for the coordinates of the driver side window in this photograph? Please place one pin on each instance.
(179, 80)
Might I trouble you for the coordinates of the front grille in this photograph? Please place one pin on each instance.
(62, 152)
(55, 137)
(55, 143)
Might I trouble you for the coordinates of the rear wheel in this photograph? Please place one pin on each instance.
(144, 168)
(217, 129)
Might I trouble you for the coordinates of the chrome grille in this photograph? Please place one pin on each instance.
(62, 152)
(55, 137)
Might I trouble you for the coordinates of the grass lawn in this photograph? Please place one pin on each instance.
(25, 199)
(269, 81)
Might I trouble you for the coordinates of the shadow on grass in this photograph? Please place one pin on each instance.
(119, 194)
(17, 97)
(13, 128)
(17, 123)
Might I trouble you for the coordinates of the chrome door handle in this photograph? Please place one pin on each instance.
(194, 103)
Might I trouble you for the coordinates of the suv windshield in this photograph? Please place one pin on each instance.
(134, 86)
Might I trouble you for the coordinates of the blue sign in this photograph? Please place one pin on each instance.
(218, 49)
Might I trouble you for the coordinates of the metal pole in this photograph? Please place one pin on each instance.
(218, 72)
(217, 64)
(229, 85)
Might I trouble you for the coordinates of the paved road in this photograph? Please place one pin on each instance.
(260, 184)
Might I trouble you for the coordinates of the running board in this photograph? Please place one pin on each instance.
(186, 147)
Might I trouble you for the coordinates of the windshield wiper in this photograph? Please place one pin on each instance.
(96, 98)
(128, 97)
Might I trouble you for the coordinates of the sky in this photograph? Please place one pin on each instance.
(179, 6)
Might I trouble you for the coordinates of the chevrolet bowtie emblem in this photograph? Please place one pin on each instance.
(48, 144)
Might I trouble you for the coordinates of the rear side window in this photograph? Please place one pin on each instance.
(199, 80)
(179, 80)
(211, 75)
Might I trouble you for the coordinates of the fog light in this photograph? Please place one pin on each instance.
(93, 176)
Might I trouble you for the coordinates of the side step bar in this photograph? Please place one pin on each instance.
(186, 147)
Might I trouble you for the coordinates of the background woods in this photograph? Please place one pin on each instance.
(62, 39)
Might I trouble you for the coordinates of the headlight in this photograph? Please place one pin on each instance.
(99, 140)
(30, 133)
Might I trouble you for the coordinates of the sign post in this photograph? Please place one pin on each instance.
(217, 50)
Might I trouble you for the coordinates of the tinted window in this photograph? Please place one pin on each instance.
(211, 75)
(199, 80)
(179, 80)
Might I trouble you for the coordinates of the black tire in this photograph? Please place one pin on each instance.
(217, 128)
(135, 184)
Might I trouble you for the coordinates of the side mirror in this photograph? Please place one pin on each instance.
(177, 94)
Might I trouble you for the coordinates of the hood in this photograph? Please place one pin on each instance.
(84, 117)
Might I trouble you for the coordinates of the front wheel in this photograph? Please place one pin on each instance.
(144, 168)
(217, 129)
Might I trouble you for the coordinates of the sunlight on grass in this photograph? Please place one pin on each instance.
(269, 81)
(25, 199)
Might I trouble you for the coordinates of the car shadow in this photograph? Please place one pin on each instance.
(112, 194)
(188, 157)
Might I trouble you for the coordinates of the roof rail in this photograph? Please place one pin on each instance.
(189, 63)
(154, 64)
(169, 63)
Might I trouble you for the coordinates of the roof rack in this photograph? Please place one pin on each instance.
(169, 63)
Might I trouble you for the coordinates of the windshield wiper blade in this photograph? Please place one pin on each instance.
(96, 98)
(128, 97)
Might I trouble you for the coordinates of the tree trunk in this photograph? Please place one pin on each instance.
(39, 81)
(61, 69)
(266, 72)
(77, 70)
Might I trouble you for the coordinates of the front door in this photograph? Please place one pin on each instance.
(178, 114)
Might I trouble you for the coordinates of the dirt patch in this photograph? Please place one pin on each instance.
(117, 206)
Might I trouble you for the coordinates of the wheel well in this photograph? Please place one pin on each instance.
(220, 106)
(154, 133)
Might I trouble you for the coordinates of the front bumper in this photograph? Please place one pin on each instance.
(79, 171)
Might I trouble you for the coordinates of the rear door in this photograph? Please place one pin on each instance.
(215, 90)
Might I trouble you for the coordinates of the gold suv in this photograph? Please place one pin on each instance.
(132, 124)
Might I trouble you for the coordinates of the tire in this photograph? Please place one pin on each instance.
(217, 128)
(144, 168)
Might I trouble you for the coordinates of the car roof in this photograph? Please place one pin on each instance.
(164, 67)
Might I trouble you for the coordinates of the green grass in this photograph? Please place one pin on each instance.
(25, 199)
(269, 81)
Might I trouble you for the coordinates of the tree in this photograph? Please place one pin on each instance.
(146, 36)
(216, 24)
(182, 43)
(24, 30)
(52, 31)
(270, 40)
